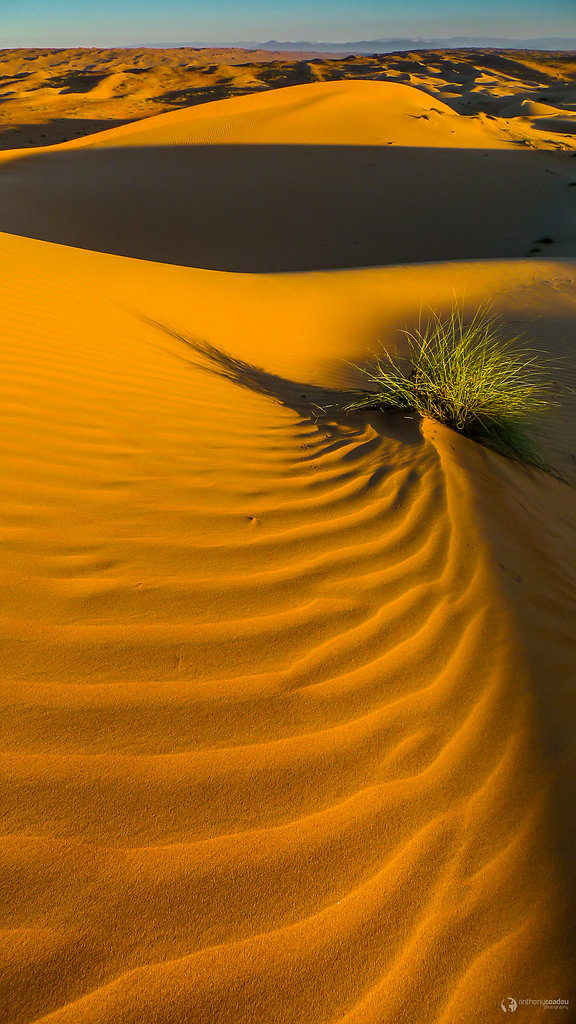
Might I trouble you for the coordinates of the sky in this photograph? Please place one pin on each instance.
(121, 22)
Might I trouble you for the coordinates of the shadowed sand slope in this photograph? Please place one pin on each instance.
(282, 181)
(286, 709)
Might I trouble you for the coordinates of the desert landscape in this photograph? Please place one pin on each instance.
(288, 712)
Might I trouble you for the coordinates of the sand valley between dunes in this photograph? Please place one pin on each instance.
(287, 695)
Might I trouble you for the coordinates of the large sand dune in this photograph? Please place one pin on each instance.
(252, 185)
(287, 704)
(49, 96)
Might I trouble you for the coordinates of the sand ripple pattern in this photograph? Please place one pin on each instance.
(254, 733)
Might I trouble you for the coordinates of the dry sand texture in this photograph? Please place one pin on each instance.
(50, 96)
(287, 701)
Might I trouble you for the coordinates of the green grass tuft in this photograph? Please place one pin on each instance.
(469, 376)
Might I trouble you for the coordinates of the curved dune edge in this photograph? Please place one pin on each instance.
(250, 184)
(285, 700)
(53, 96)
(322, 113)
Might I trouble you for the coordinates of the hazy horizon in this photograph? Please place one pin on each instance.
(62, 23)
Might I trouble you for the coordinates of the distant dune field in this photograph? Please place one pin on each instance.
(51, 96)
(287, 696)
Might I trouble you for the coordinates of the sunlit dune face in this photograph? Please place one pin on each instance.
(48, 96)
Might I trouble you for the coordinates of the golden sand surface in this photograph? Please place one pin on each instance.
(51, 96)
(287, 716)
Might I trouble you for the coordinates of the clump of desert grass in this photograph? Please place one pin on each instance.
(470, 376)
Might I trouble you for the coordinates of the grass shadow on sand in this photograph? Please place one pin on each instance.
(314, 403)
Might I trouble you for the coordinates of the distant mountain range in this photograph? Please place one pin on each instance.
(390, 45)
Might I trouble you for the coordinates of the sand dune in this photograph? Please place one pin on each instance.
(251, 184)
(287, 705)
(50, 96)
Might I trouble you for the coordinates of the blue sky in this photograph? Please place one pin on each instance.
(109, 22)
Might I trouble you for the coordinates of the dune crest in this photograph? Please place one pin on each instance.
(53, 96)
(252, 185)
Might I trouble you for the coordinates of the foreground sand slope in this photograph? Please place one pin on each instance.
(287, 710)
(284, 714)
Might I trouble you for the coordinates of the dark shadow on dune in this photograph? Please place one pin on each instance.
(77, 81)
(52, 132)
(269, 208)
(314, 403)
(197, 94)
(472, 63)
(557, 125)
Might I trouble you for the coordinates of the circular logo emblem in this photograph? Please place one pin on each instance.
(509, 1005)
